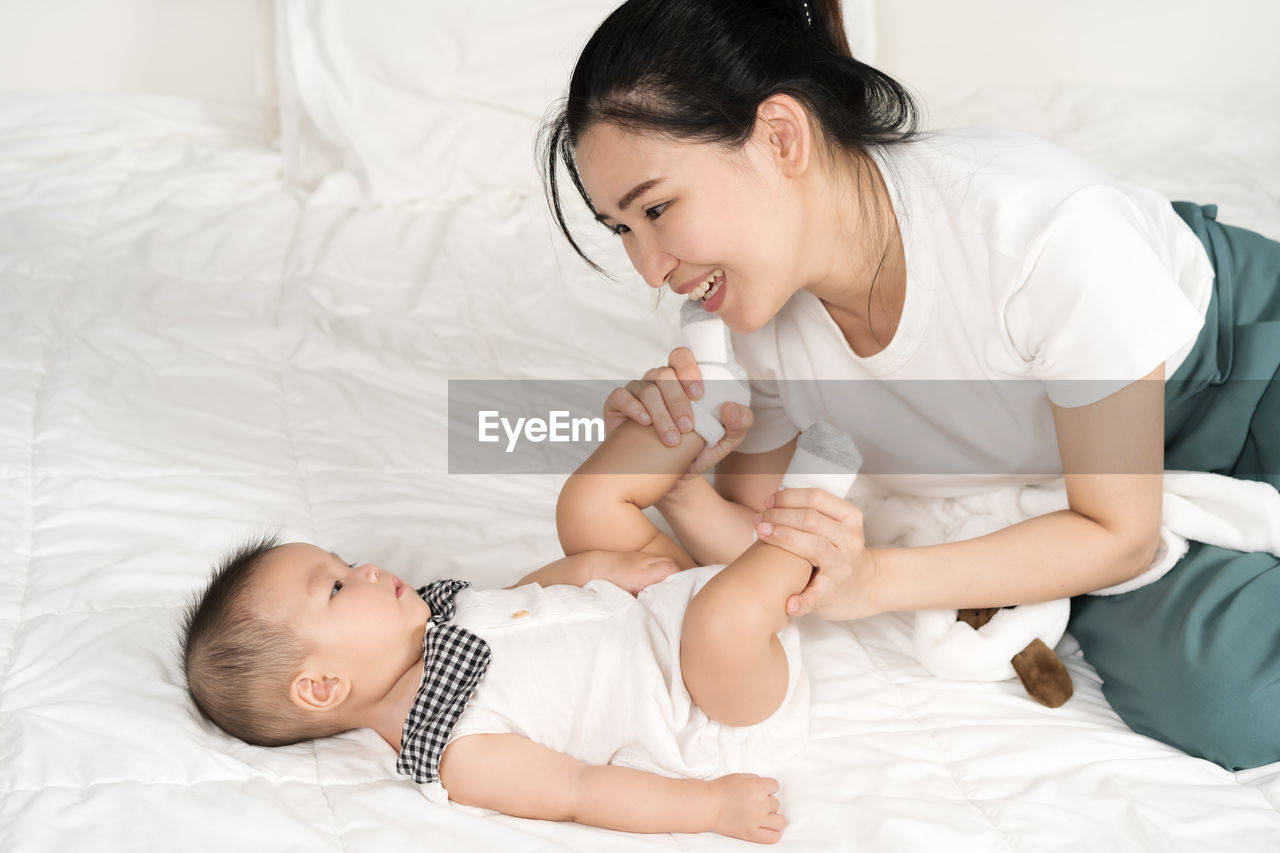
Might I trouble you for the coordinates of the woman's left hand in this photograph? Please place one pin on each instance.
(826, 531)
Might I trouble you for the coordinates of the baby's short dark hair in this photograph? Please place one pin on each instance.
(239, 665)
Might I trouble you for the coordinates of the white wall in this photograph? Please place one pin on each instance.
(222, 48)
(219, 49)
(1203, 48)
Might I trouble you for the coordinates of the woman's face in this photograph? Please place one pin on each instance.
(695, 213)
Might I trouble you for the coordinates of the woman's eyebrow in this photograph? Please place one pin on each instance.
(636, 192)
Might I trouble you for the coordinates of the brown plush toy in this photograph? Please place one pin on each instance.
(1041, 672)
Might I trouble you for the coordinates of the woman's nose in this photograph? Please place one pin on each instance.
(653, 264)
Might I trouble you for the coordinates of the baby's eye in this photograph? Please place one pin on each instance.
(337, 585)
(657, 210)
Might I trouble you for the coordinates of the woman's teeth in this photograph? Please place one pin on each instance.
(708, 287)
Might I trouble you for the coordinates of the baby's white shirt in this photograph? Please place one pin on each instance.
(594, 672)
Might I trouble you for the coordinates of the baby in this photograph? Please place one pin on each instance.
(588, 692)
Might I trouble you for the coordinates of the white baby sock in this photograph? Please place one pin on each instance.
(723, 379)
(825, 458)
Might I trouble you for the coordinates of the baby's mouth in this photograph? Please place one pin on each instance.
(709, 286)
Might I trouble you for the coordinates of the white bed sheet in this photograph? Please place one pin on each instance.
(189, 354)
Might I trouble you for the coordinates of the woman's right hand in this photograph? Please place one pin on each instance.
(662, 397)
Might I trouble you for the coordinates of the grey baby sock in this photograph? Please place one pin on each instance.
(724, 380)
(825, 458)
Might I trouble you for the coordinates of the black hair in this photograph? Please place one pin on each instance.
(697, 70)
(237, 664)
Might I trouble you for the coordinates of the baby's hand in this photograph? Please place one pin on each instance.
(748, 808)
(631, 570)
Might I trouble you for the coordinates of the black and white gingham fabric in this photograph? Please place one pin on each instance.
(454, 660)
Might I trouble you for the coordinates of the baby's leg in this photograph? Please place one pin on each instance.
(733, 663)
(600, 506)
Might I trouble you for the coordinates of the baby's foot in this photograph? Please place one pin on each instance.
(631, 570)
(825, 458)
(723, 379)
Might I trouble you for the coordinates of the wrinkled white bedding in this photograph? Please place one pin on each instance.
(189, 354)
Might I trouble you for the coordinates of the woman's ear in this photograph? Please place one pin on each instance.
(782, 125)
(315, 692)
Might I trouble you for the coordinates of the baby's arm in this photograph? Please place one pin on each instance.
(631, 570)
(514, 775)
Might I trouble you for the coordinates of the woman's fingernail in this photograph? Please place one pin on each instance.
(765, 528)
(645, 419)
(684, 424)
(695, 390)
(755, 519)
(671, 437)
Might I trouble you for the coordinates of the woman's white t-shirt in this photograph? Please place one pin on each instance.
(1031, 277)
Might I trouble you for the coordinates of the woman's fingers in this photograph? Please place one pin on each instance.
(819, 499)
(661, 398)
(737, 421)
(805, 519)
(622, 405)
(664, 399)
(813, 547)
(802, 603)
(687, 371)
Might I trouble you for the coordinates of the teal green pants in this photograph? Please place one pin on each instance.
(1194, 659)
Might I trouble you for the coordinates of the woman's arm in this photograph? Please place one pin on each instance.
(1113, 456)
(514, 775)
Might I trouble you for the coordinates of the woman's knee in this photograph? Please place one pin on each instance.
(1190, 659)
(1217, 715)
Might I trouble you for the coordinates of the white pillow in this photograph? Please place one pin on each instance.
(385, 101)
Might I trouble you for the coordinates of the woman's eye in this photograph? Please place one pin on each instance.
(657, 210)
(619, 229)
(337, 585)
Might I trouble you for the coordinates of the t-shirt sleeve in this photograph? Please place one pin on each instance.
(1099, 308)
(771, 427)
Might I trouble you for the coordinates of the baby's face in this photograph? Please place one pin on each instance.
(362, 622)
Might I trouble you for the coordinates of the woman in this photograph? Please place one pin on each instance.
(746, 159)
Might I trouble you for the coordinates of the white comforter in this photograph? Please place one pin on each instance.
(191, 354)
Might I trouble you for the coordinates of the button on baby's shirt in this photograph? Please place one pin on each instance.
(519, 614)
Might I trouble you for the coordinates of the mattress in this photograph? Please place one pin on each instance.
(192, 354)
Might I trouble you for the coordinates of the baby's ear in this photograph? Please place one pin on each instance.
(313, 692)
